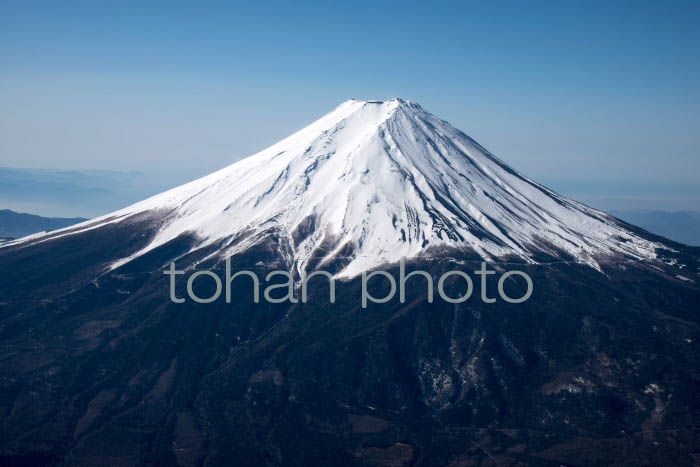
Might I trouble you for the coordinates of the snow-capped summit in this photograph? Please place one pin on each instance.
(375, 181)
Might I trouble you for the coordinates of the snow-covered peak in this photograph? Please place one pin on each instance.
(374, 181)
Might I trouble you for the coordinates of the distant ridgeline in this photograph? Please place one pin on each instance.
(16, 224)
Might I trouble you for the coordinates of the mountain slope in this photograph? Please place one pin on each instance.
(601, 366)
(371, 182)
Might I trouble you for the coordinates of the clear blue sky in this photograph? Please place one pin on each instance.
(572, 93)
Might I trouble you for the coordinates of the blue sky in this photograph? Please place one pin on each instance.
(598, 97)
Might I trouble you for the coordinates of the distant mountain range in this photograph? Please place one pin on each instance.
(681, 226)
(73, 193)
(17, 224)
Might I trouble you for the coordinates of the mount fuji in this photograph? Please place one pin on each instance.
(372, 182)
(600, 366)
